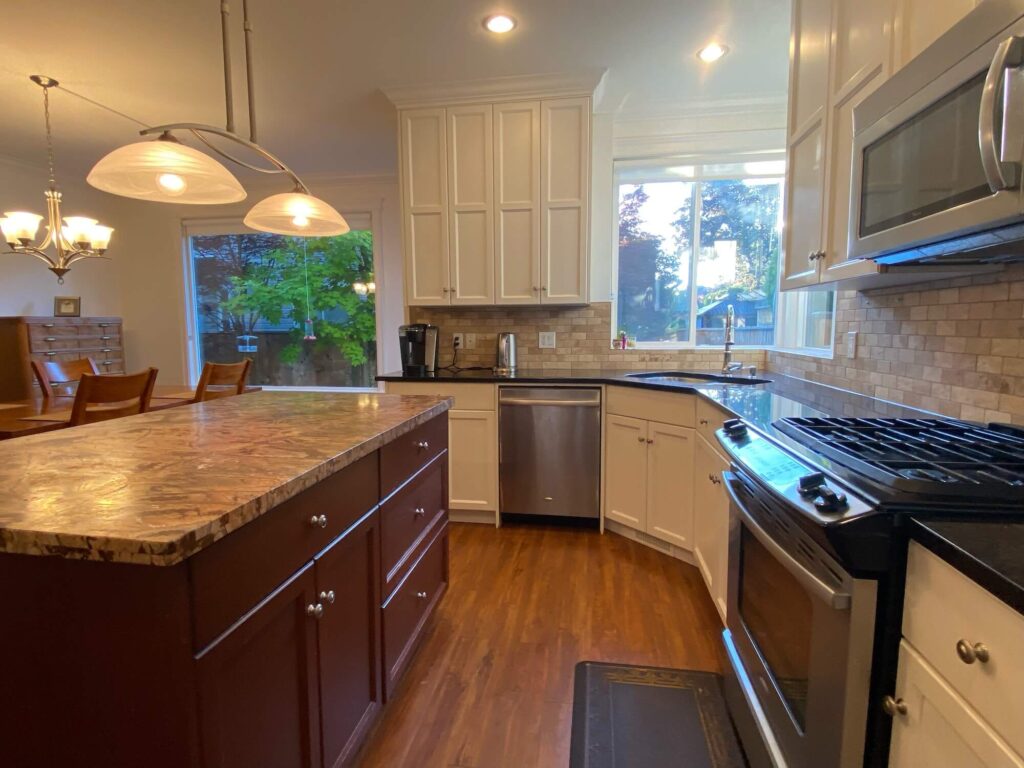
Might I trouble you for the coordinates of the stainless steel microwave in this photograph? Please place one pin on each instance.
(938, 150)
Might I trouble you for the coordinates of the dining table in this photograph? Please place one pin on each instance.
(39, 414)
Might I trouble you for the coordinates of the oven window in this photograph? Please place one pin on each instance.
(777, 613)
(929, 164)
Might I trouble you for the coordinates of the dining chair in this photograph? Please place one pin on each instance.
(116, 395)
(234, 375)
(56, 373)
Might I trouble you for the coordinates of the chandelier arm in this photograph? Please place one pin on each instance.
(251, 146)
(30, 251)
(78, 255)
(232, 158)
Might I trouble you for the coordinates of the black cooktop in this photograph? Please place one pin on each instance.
(927, 457)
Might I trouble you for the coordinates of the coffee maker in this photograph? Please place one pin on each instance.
(418, 343)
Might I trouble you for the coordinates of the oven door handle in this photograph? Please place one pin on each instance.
(999, 175)
(839, 601)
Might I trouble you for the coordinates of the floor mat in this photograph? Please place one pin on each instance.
(649, 717)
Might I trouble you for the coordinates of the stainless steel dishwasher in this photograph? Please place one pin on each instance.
(550, 451)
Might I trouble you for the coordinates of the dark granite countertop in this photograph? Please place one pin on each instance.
(990, 552)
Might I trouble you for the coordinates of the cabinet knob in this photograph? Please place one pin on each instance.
(703, 422)
(315, 610)
(327, 597)
(318, 521)
(972, 652)
(444, 290)
(423, 445)
(892, 706)
(419, 512)
(650, 442)
(535, 289)
(544, 288)
(421, 595)
(641, 439)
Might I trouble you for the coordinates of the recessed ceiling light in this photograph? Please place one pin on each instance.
(499, 24)
(712, 52)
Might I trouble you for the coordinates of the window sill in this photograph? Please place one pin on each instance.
(821, 354)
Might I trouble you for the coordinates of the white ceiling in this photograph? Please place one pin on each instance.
(320, 65)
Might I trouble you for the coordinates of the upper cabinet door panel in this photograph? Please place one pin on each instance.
(804, 193)
(470, 196)
(861, 44)
(565, 193)
(425, 205)
(809, 58)
(517, 203)
(921, 22)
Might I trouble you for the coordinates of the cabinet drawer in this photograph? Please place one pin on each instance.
(403, 457)
(468, 397)
(231, 576)
(408, 514)
(944, 607)
(667, 407)
(407, 610)
(710, 418)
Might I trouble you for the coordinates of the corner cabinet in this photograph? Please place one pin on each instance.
(496, 202)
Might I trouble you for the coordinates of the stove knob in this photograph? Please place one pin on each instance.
(735, 428)
(809, 484)
(830, 501)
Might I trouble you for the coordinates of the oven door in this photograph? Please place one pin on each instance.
(936, 160)
(800, 633)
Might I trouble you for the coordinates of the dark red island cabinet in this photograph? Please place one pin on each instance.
(275, 646)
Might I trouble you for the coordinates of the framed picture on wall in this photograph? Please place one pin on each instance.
(67, 306)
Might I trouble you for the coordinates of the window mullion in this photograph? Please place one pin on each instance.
(694, 256)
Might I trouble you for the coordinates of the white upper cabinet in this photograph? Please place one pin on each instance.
(425, 205)
(919, 23)
(517, 202)
(470, 204)
(496, 202)
(565, 195)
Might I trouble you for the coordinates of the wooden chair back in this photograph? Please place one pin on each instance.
(119, 396)
(54, 373)
(234, 375)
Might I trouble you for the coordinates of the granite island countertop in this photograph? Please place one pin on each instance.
(158, 487)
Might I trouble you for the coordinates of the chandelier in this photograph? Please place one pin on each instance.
(79, 237)
(167, 171)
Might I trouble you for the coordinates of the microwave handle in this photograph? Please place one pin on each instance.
(1010, 53)
(839, 601)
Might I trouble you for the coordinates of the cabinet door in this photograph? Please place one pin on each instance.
(711, 522)
(473, 460)
(809, 47)
(565, 200)
(425, 205)
(470, 200)
(670, 483)
(919, 23)
(349, 639)
(517, 202)
(258, 696)
(940, 728)
(625, 484)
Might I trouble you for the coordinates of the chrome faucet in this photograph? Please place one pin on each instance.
(728, 366)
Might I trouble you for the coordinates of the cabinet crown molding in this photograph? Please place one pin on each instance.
(497, 89)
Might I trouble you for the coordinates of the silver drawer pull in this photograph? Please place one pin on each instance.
(106, 338)
(972, 652)
(104, 325)
(50, 338)
(106, 350)
(423, 445)
(328, 596)
(421, 595)
(318, 521)
(892, 706)
(49, 354)
(106, 362)
(49, 325)
(315, 610)
(419, 512)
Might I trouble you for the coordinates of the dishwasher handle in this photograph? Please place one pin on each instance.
(573, 403)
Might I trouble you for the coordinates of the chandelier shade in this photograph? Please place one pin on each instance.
(165, 171)
(296, 213)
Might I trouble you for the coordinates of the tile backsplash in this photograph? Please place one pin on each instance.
(582, 338)
(955, 347)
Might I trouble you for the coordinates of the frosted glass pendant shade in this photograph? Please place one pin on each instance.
(165, 172)
(296, 213)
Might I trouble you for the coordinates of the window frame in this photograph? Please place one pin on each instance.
(234, 225)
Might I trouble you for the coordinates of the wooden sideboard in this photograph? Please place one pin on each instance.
(23, 339)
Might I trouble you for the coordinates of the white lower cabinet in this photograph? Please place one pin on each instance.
(649, 477)
(473, 460)
(711, 522)
(935, 727)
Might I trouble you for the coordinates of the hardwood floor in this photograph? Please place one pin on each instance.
(491, 684)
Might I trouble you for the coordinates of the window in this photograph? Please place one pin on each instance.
(697, 239)
(301, 308)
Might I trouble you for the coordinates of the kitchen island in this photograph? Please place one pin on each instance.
(234, 583)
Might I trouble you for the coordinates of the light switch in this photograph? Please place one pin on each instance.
(546, 340)
(851, 344)
(470, 341)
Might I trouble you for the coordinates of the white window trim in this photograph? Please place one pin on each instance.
(699, 175)
(228, 226)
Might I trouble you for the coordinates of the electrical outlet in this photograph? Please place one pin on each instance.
(546, 340)
(458, 342)
(470, 341)
(851, 344)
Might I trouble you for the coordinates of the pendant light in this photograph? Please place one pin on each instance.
(167, 171)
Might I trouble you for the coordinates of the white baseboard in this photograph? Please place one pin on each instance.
(481, 516)
(650, 541)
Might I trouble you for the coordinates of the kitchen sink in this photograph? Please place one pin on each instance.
(694, 377)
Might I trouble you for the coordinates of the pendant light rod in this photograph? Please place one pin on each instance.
(249, 87)
(229, 99)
